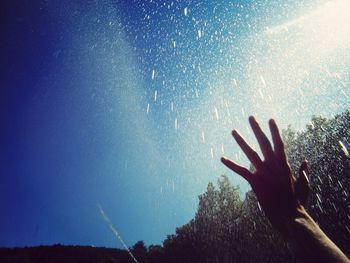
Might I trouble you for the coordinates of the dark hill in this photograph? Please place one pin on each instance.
(60, 254)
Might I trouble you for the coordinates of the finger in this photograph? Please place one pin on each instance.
(263, 141)
(249, 152)
(242, 171)
(302, 186)
(304, 167)
(277, 141)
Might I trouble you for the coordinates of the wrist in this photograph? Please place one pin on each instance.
(301, 219)
(310, 242)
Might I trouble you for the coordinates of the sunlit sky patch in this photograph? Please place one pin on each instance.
(130, 104)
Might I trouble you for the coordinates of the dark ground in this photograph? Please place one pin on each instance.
(61, 253)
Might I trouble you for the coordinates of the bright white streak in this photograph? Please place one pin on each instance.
(344, 148)
(176, 126)
(186, 11)
(329, 24)
(115, 232)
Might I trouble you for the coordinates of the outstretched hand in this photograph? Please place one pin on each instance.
(279, 193)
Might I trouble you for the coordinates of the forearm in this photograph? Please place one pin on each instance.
(311, 243)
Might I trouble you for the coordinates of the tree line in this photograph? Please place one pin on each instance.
(228, 228)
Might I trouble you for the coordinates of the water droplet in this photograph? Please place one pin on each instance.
(259, 207)
(197, 93)
(340, 184)
(261, 94)
(347, 229)
(344, 148)
(176, 125)
(216, 113)
(186, 11)
(263, 80)
(235, 82)
(318, 198)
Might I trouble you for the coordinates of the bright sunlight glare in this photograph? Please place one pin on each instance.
(326, 27)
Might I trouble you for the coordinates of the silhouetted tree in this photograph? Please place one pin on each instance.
(156, 254)
(139, 250)
(325, 143)
(226, 229)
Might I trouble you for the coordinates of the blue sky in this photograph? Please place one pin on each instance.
(129, 105)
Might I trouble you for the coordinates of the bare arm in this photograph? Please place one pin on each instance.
(282, 196)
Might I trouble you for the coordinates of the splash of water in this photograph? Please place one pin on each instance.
(115, 232)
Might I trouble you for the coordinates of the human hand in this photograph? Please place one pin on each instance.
(279, 193)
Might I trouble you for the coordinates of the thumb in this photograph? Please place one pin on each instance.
(302, 187)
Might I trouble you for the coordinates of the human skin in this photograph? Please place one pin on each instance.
(282, 196)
